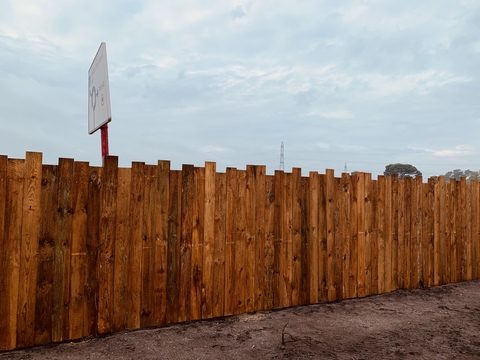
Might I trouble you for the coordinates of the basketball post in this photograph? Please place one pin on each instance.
(104, 134)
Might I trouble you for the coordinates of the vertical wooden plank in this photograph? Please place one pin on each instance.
(353, 237)
(451, 248)
(232, 194)
(439, 216)
(323, 237)
(462, 238)
(186, 241)
(218, 284)
(330, 220)
(468, 222)
(196, 275)
(46, 255)
(162, 192)
(313, 237)
(260, 236)
(61, 284)
(78, 320)
(381, 235)
(371, 254)
(93, 241)
(305, 238)
(148, 247)
(395, 226)
(270, 241)
(107, 244)
(440, 235)
(389, 284)
(4, 300)
(362, 256)
(471, 260)
(137, 200)
(415, 245)
(122, 260)
(174, 237)
(11, 253)
(279, 291)
(29, 250)
(344, 198)
(476, 232)
(341, 218)
(3, 204)
(287, 244)
(454, 240)
(209, 242)
(449, 252)
(250, 239)
(240, 239)
(428, 229)
(416, 228)
(400, 231)
(296, 236)
(407, 229)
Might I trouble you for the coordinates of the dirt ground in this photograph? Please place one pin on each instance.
(436, 323)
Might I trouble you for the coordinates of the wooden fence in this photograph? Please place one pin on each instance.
(87, 250)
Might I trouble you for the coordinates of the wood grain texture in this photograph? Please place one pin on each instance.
(77, 316)
(63, 250)
(87, 250)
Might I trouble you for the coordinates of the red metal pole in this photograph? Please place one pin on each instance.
(104, 134)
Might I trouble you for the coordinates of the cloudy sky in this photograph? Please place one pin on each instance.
(360, 84)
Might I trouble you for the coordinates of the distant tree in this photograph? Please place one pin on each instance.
(458, 173)
(403, 170)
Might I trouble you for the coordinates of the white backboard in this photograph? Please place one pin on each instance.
(99, 112)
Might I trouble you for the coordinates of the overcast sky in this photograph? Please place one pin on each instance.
(356, 83)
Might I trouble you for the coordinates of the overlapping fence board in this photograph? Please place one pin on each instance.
(29, 249)
(93, 236)
(210, 263)
(122, 252)
(381, 235)
(197, 270)
(239, 245)
(313, 240)
(173, 253)
(87, 250)
(106, 248)
(46, 257)
(6, 341)
(135, 245)
(148, 237)
(11, 254)
(230, 230)
(269, 250)
(260, 231)
(77, 316)
(218, 284)
(161, 243)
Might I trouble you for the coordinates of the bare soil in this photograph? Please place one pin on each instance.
(435, 323)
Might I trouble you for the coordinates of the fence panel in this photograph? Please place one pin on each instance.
(87, 250)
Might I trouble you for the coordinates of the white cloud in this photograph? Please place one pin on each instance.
(459, 150)
(379, 85)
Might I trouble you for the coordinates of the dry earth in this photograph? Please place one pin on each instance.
(436, 323)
